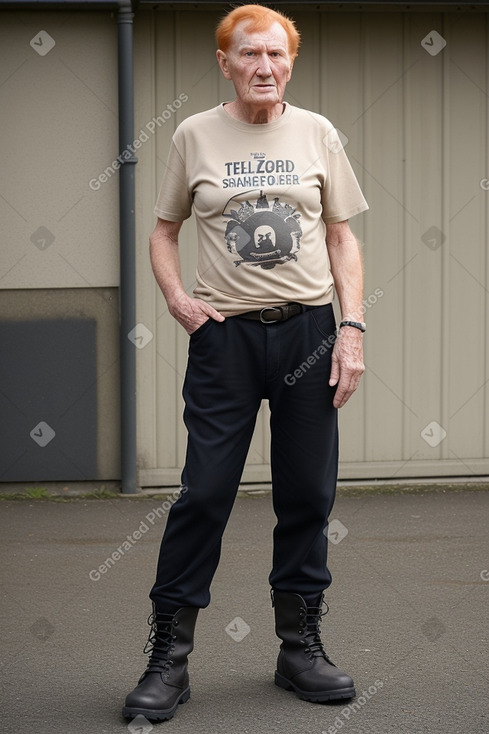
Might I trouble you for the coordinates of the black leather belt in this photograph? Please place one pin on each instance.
(273, 314)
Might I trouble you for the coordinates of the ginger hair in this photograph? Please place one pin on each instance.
(258, 18)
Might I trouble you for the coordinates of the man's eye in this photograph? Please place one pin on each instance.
(250, 53)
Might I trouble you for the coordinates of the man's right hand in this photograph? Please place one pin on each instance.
(192, 312)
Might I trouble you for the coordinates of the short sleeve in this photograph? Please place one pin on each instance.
(174, 201)
(341, 197)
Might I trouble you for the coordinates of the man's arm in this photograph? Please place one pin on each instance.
(163, 247)
(347, 270)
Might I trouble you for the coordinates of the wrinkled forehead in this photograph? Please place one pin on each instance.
(274, 35)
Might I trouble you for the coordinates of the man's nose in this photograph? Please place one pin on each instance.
(264, 68)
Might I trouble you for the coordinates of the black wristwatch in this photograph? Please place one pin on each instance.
(356, 324)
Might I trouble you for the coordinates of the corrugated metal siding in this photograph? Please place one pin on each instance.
(417, 138)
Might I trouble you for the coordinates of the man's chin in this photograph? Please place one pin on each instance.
(265, 91)
(269, 97)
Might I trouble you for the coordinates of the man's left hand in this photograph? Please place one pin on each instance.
(347, 365)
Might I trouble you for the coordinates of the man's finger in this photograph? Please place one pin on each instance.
(210, 311)
(346, 388)
(335, 372)
(341, 396)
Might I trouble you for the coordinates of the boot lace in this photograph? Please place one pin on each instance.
(310, 627)
(159, 645)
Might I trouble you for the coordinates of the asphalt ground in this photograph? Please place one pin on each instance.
(408, 618)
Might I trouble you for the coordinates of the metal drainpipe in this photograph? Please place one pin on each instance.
(127, 299)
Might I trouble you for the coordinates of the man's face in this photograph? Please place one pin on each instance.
(258, 64)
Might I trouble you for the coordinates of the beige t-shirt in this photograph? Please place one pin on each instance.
(262, 196)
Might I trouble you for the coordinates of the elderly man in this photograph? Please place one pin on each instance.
(271, 190)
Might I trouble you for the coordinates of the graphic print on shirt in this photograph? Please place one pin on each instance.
(262, 233)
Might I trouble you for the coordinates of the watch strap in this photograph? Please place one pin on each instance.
(356, 324)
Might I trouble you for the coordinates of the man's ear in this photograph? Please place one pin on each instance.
(290, 70)
(223, 63)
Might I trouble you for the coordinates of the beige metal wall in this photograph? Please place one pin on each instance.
(59, 128)
(416, 123)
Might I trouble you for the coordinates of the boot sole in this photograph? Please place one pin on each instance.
(314, 696)
(130, 712)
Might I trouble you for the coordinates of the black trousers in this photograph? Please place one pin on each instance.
(232, 366)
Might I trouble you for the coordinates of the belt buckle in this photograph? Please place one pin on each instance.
(271, 308)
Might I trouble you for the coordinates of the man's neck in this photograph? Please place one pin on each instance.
(254, 116)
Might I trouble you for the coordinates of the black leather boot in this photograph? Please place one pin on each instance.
(165, 683)
(303, 665)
